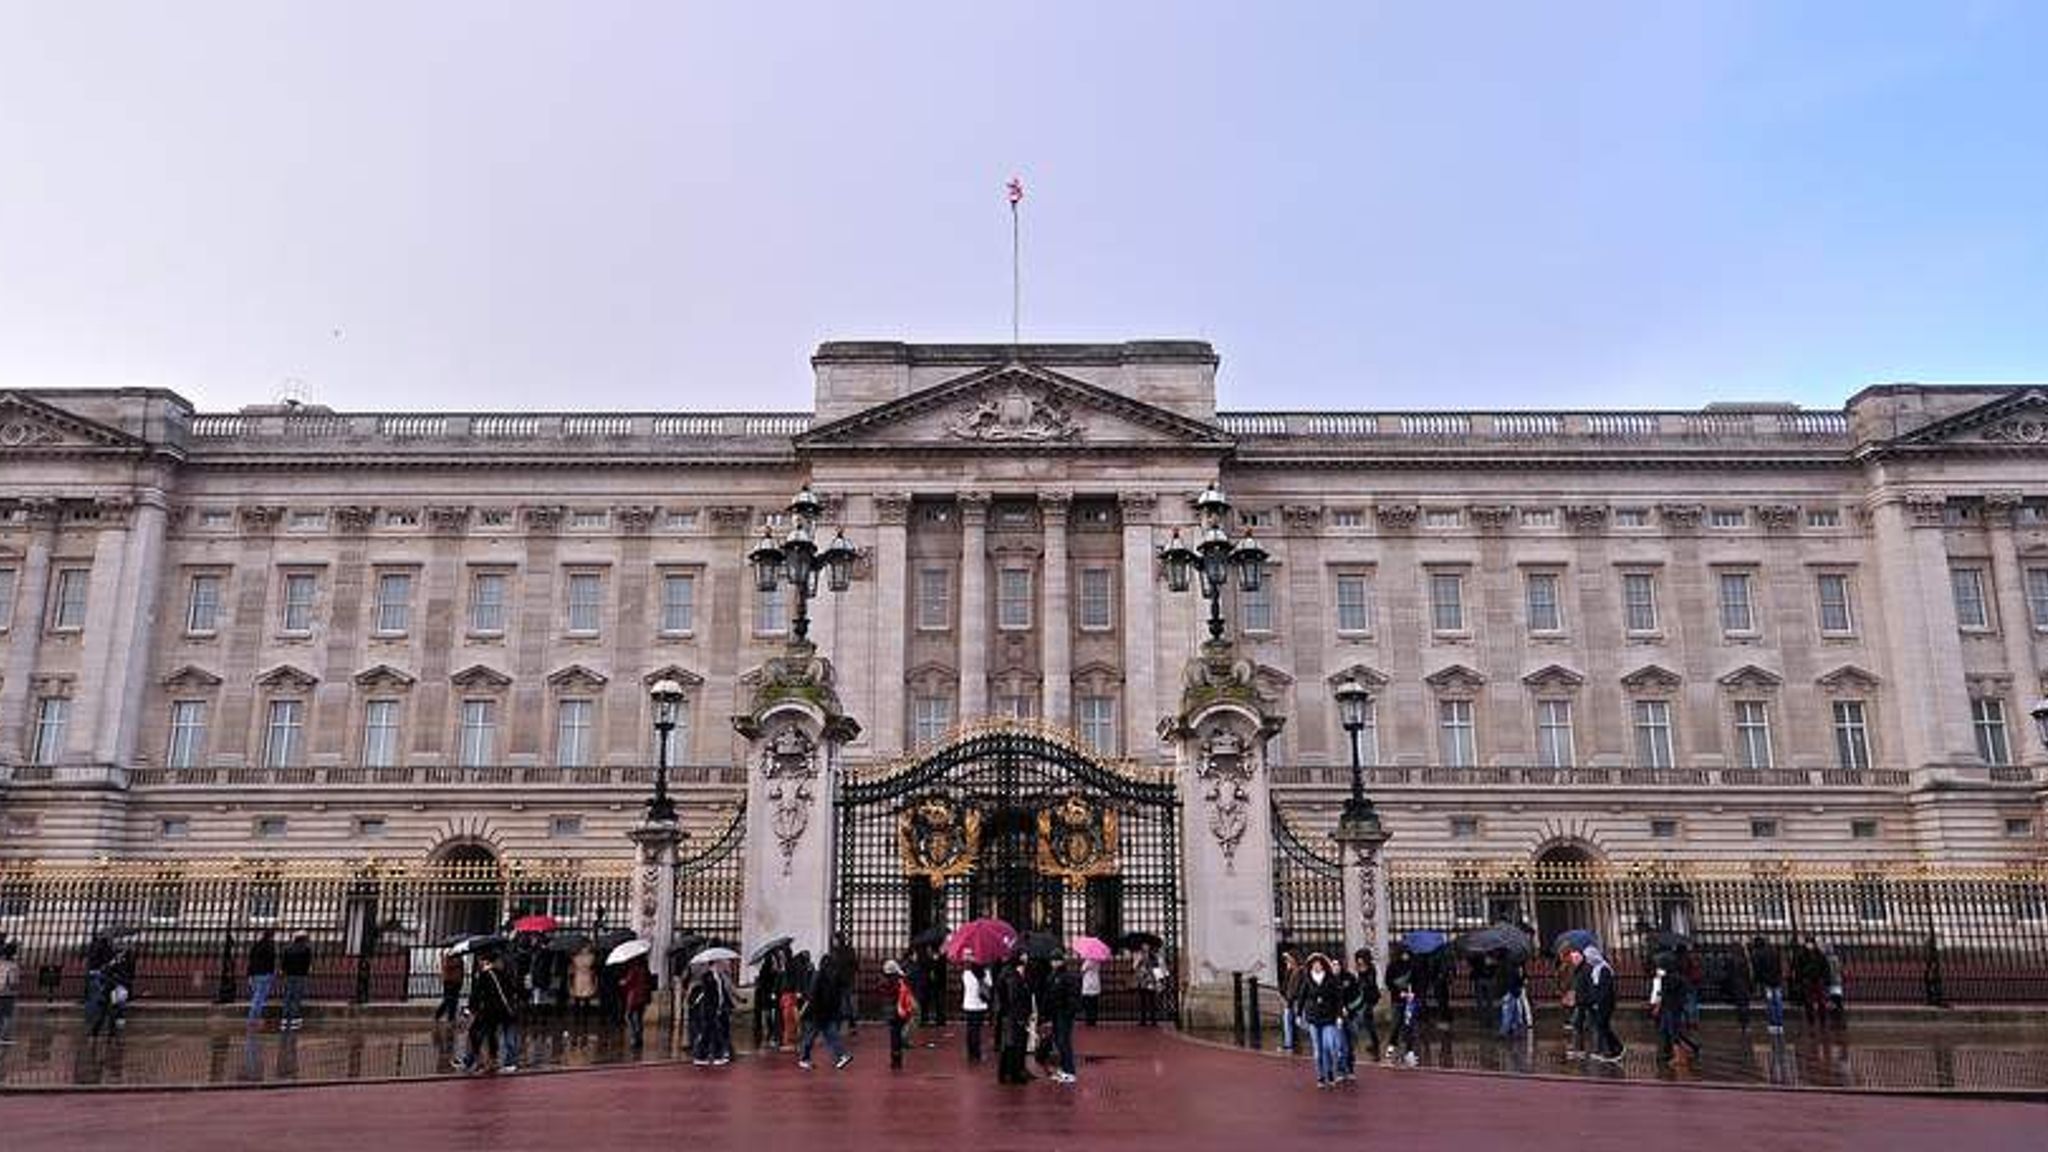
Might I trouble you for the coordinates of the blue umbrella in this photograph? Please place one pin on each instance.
(1422, 941)
(1575, 938)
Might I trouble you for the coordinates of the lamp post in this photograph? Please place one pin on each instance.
(667, 697)
(797, 561)
(1214, 557)
(1354, 703)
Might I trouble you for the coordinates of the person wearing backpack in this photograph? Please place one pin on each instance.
(902, 1010)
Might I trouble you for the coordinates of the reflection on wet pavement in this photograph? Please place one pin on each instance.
(1877, 1054)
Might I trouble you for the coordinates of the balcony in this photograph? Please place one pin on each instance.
(633, 776)
(1580, 776)
(409, 435)
(1777, 430)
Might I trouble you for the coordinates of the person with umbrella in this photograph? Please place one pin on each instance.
(1407, 1004)
(582, 986)
(295, 962)
(1667, 1002)
(1013, 1021)
(935, 973)
(767, 1010)
(1150, 972)
(452, 974)
(636, 992)
(821, 1013)
(1092, 953)
(796, 988)
(976, 989)
(1593, 989)
(1767, 971)
(492, 1007)
(1514, 994)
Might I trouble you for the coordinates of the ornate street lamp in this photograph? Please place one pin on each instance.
(667, 697)
(1354, 704)
(2040, 714)
(797, 560)
(1215, 558)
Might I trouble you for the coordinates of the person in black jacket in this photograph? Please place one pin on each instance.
(1594, 989)
(296, 962)
(1360, 1014)
(821, 1012)
(492, 1006)
(1322, 1010)
(1063, 1002)
(1767, 971)
(262, 972)
(1013, 1022)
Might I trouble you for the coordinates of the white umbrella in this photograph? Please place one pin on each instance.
(475, 944)
(713, 956)
(627, 951)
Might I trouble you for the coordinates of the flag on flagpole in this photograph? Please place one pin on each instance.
(1016, 190)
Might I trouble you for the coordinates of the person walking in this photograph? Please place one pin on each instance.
(1767, 971)
(796, 988)
(583, 987)
(902, 1001)
(975, 992)
(1091, 991)
(636, 992)
(1321, 1005)
(1291, 976)
(1594, 987)
(767, 1004)
(451, 988)
(821, 1014)
(1013, 1022)
(1837, 990)
(296, 964)
(491, 1006)
(1735, 985)
(1151, 978)
(847, 962)
(1667, 1004)
(1362, 1012)
(1063, 1004)
(1513, 982)
(1406, 1002)
(262, 973)
(10, 989)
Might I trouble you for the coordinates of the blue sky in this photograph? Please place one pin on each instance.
(1463, 205)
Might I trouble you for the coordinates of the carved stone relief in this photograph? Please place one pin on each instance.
(1226, 768)
(1019, 415)
(788, 766)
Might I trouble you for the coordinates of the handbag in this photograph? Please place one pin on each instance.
(120, 995)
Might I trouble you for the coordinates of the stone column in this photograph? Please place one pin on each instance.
(25, 636)
(2015, 625)
(92, 696)
(1057, 636)
(973, 607)
(1140, 625)
(889, 635)
(137, 625)
(1924, 652)
(1365, 890)
(654, 889)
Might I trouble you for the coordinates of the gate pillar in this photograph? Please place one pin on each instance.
(794, 731)
(1219, 741)
(1365, 888)
(654, 890)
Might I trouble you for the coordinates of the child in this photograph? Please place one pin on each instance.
(902, 1010)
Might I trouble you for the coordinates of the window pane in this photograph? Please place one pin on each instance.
(1735, 608)
(1653, 734)
(70, 608)
(1852, 737)
(930, 718)
(771, 617)
(298, 602)
(1752, 734)
(1255, 607)
(1639, 601)
(1988, 716)
(1096, 587)
(394, 602)
(7, 583)
(487, 602)
(2037, 596)
(479, 732)
(1098, 723)
(202, 610)
(281, 745)
(572, 734)
(1554, 733)
(1834, 603)
(1454, 726)
(1969, 594)
(52, 713)
(586, 601)
(1354, 603)
(1447, 602)
(678, 603)
(1542, 603)
(934, 598)
(380, 734)
(1013, 598)
(188, 734)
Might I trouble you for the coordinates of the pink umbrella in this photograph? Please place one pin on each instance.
(1089, 948)
(990, 940)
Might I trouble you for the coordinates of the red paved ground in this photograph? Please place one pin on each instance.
(1138, 1092)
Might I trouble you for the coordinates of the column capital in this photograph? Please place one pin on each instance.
(1138, 507)
(973, 508)
(1054, 504)
(892, 507)
(731, 519)
(2000, 507)
(1925, 508)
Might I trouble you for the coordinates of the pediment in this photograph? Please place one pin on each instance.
(1847, 678)
(2016, 420)
(1554, 677)
(1752, 677)
(1651, 678)
(577, 676)
(384, 676)
(191, 676)
(480, 676)
(287, 676)
(30, 425)
(1455, 680)
(1014, 406)
(1365, 674)
(675, 672)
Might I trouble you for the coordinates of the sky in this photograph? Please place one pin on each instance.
(654, 206)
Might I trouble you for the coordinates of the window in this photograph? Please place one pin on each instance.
(1631, 517)
(1354, 603)
(1539, 594)
(299, 589)
(934, 599)
(930, 718)
(1013, 599)
(494, 517)
(1446, 602)
(68, 614)
(270, 827)
(284, 733)
(2019, 827)
(1663, 828)
(1255, 607)
(1098, 587)
(371, 827)
(1737, 613)
(1639, 602)
(487, 602)
(1442, 518)
(1852, 736)
(1824, 518)
(380, 734)
(52, 714)
(771, 611)
(587, 518)
(1554, 733)
(682, 521)
(1653, 734)
(479, 733)
(1987, 717)
(1872, 906)
(308, 521)
(1097, 720)
(216, 518)
(1752, 734)
(1464, 827)
(7, 583)
(586, 603)
(174, 828)
(572, 733)
(1862, 829)
(1971, 613)
(563, 827)
(394, 603)
(1539, 517)
(202, 604)
(402, 518)
(1347, 518)
(1763, 829)
(1835, 618)
(1016, 705)
(2037, 597)
(188, 734)
(678, 603)
(1454, 733)
(1728, 518)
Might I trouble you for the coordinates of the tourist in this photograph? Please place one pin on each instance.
(1735, 985)
(1667, 1003)
(636, 992)
(1321, 1005)
(10, 988)
(1091, 991)
(99, 954)
(491, 1008)
(1013, 1022)
(1593, 985)
(1291, 979)
(821, 1013)
(902, 1008)
(451, 988)
(796, 986)
(975, 992)
(583, 986)
(296, 963)
(1576, 1027)
(1363, 1008)
(1836, 989)
(1406, 1001)
(1810, 979)
(1767, 971)
(119, 987)
(1513, 985)
(1151, 976)
(719, 999)
(1062, 1003)
(767, 1005)
(262, 972)
(935, 975)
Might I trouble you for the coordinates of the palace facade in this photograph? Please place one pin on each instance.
(1742, 632)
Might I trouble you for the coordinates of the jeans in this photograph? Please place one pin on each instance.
(259, 995)
(829, 1029)
(294, 997)
(1148, 1006)
(1347, 1057)
(1287, 1028)
(1606, 1043)
(508, 1035)
(1774, 1006)
(1329, 1043)
(483, 1033)
(1063, 1042)
(897, 1041)
(974, 1023)
(1511, 1019)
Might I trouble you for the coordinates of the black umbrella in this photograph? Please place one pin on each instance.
(119, 930)
(1497, 938)
(767, 948)
(613, 937)
(1672, 941)
(1132, 941)
(571, 942)
(1039, 945)
(929, 938)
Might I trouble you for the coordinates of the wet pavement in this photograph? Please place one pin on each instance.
(1137, 1089)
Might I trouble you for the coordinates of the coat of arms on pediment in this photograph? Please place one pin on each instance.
(2016, 420)
(1019, 404)
(27, 424)
(1016, 414)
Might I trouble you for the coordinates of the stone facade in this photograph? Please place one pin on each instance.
(1727, 633)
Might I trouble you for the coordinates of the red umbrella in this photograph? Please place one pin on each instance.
(534, 924)
(991, 940)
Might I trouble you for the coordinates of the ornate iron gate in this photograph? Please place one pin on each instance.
(709, 883)
(1308, 895)
(1018, 823)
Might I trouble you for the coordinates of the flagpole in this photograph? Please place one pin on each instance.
(1016, 276)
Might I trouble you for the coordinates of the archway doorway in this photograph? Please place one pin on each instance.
(469, 892)
(1564, 890)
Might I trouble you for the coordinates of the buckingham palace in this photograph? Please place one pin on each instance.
(1705, 638)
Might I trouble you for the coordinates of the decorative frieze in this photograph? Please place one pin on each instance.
(545, 519)
(1926, 509)
(1681, 519)
(1301, 519)
(260, 519)
(731, 519)
(1137, 507)
(2002, 505)
(1397, 518)
(634, 519)
(2030, 430)
(1054, 506)
(1778, 517)
(448, 519)
(1492, 518)
(892, 507)
(1586, 519)
(352, 519)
